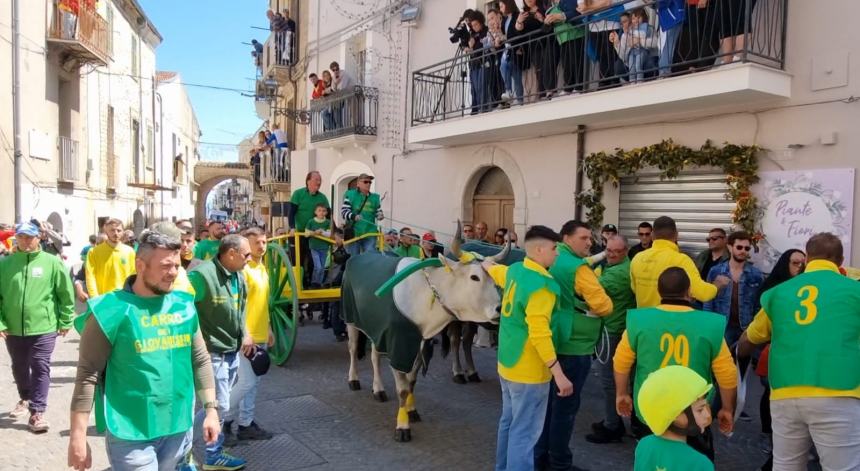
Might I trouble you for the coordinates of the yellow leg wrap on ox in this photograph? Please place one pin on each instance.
(410, 402)
(402, 418)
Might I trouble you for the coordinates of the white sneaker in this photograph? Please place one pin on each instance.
(21, 409)
(506, 96)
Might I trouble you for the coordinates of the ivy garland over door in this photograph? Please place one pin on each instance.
(739, 162)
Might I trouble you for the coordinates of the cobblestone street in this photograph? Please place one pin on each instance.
(321, 425)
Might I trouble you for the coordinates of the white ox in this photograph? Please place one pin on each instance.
(433, 293)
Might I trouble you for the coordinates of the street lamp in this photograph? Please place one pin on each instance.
(270, 88)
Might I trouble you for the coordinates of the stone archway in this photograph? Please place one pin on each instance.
(488, 157)
(210, 174)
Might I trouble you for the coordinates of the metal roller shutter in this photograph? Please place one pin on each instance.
(696, 200)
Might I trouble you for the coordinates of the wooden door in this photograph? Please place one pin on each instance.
(496, 211)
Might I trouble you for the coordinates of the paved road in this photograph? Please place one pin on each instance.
(321, 425)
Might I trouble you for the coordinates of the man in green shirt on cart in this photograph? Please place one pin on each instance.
(303, 204)
(361, 209)
(615, 279)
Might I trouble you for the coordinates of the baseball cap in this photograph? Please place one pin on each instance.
(260, 361)
(428, 236)
(609, 228)
(28, 229)
(392, 231)
(365, 176)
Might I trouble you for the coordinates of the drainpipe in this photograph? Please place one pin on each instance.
(580, 158)
(158, 165)
(16, 108)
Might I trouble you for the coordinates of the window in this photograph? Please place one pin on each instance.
(150, 148)
(135, 150)
(109, 19)
(178, 170)
(135, 60)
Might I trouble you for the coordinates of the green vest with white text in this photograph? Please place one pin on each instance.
(149, 384)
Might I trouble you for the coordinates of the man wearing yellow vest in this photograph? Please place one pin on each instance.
(527, 359)
(577, 325)
(244, 393)
(646, 268)
(110, 263)
(142, 357)
(813, 324)
(673, 333)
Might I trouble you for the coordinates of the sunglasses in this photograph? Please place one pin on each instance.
(365, 181)
(743, 247)
(713, 239)
(643, 234)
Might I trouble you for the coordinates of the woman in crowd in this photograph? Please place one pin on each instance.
(789, 265)
(512, 73)
(529, 21)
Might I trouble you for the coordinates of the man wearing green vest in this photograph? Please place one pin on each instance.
(527, 359)
(813, 324)
(615, 279)
(142, 355)
(576, 328)
(207, 249)
(220, 298)
(673, 333)
(304, 202)
(361, 209)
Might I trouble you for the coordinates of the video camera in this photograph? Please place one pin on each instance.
(461, 32)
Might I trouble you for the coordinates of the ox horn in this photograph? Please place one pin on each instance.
(506, 250)
(457, 241)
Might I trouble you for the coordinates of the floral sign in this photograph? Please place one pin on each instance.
(795, 205)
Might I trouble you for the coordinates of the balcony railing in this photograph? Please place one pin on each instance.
(345, 113)
(273, 167)
(596, 51)
(280, 50)
(84, 33)
(68, 171)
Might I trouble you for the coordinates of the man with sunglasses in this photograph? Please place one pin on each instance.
(220, 297)
(738, 282)
(715, 253)
(361, 209)
(645, 238)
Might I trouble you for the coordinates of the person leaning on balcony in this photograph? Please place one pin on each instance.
(342, 82)
(529, 20)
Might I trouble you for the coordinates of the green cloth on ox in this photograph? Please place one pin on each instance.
(378, 317)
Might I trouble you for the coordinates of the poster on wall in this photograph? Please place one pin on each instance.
(798, 204)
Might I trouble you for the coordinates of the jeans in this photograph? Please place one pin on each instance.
(636, 63)
(523, 410)
(361, 246)
(553, 448)
(31, 367)
(337, 324)
(828, 422)
(479, 93)
(243, 396)
(607, 379)
(226, 369)
(319, 257)
(512, 76)
(328, 119)
(667, 54)
(166, 453)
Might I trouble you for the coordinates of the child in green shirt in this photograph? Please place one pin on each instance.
(319, 225)
(672, 402)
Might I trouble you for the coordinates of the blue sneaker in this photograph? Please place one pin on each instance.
(189, 464)
(223, 462)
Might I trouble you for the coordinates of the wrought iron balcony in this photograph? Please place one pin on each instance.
(82, 34)
(272, 168)
(348, 113)
(280, 52)
(543, 81)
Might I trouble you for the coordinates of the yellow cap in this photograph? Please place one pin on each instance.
(666, 393)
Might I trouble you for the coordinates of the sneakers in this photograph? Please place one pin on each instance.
(230, 439)
(253, 432)
(38, 423)
(223, 462)
(603, 434)
(21, 409)
(745, 417)
(506, 96)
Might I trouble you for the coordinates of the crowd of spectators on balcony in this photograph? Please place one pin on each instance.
(284, 28)
(550, 47)
(329, 82)
(271, 154)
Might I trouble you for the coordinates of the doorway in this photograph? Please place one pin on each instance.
(493, 201)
